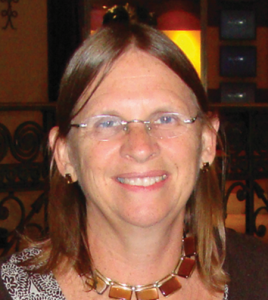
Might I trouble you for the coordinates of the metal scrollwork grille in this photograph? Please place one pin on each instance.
(23, 176)
(247, 157)
(9, 13)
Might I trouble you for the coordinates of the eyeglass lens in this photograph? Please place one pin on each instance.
(166, 125)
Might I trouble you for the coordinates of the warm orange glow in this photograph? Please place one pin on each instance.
(190, 43)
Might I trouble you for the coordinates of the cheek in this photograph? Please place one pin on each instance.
(184, 150)
(93, 160)
(186, 157)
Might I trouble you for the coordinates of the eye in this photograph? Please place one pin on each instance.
(106, 122)
(167, 119)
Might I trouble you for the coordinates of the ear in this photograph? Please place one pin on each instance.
(61, 154)
(209, 141)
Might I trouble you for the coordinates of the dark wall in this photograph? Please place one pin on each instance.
(64, 36)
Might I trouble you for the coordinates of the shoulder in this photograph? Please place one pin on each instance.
(247, 265)
(21, 282)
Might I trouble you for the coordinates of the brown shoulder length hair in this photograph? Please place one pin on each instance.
(67, 204)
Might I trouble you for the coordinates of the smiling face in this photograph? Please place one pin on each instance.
(136, 178)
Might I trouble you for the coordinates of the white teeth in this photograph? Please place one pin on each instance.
(146, 181)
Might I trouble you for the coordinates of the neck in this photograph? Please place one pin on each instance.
(135, 255)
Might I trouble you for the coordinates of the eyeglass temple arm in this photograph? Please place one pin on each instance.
(78, 125)
(190, 121)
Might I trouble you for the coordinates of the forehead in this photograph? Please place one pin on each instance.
(142, 78)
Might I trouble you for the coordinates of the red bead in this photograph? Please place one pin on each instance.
(169, 286)
(189, 246)
(186, 267)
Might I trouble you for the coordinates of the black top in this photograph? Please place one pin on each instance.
(247, 264)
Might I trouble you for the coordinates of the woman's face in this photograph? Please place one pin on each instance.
(136, 178)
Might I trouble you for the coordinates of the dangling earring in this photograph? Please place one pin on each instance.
(205, 167)
(68, 178)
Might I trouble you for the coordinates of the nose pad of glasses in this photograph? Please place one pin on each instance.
(148, 126)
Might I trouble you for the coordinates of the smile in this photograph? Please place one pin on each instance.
(146, 181)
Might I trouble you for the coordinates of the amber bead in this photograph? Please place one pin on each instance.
(120, 292)
(147, 294)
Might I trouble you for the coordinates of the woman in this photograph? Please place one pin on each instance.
(134, 202)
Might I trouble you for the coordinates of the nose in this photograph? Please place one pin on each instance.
(138, 145)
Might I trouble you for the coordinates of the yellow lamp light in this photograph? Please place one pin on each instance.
(190, 43)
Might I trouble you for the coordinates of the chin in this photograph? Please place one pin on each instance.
(146, 218)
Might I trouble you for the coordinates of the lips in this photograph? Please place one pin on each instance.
(142, 181)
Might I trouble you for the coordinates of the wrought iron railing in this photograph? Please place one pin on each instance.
(247, 156)
(23, 170)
